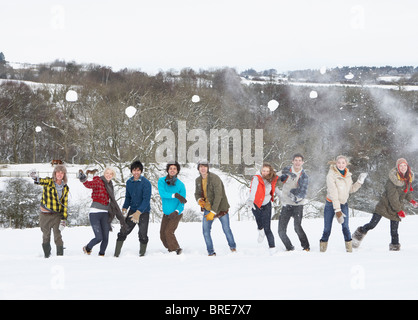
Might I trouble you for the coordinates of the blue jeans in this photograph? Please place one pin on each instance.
(329, 214)
(100, 223)
(207, 226)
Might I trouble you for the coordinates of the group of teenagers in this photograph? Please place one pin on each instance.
(290, 185)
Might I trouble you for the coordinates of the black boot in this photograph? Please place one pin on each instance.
(142, 249)
(60, 250)
(47, 249)
(118, 247)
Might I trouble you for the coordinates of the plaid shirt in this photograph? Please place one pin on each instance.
(50, 196)
(99, 193)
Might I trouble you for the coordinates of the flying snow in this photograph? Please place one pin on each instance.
(313, 94)
(195, 98)
(130, 111)
(349, 76)
(71, 96)
(272, 105)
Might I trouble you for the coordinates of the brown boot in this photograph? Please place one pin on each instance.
(348, 246)
(323, 246)
(394, 247)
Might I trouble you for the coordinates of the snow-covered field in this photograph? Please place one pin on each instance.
(370, 272)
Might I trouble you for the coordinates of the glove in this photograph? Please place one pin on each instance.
(62, 225)
(250, 205)
(362, 177)
(173, 214)
(210, 216)
(401, 214)
(180, 197)
(33, 174)
(294, 198)
(414, 203)
(135, 217)
(81, 176)
(124, 212)
(340, 217)
(201, 202)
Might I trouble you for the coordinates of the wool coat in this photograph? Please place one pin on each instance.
(392, 199)
(215, 193)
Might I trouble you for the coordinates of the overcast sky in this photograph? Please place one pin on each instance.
(155, 35)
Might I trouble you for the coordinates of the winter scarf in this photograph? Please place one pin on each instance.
(114, 209)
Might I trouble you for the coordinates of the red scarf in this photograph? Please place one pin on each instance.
(407, 178)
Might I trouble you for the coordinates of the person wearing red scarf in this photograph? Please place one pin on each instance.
(398, 188)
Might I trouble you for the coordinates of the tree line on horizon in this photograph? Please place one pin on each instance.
(372, 126)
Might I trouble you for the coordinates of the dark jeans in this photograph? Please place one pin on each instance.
(296, 212)
(142, 227)
(100, 223)
(263, 219)
(375, 220)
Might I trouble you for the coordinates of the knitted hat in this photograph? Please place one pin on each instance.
(203, 163)
(399, 161)
(60, 168)
(407, 177)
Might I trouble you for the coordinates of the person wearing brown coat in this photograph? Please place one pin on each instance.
(391, 204)
(211, 196)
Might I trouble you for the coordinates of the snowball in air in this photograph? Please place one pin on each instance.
(349, 76)
(38, 129)
(130, 111)
(195, 98)
(313, 94)
(272, 105)
(71, 96)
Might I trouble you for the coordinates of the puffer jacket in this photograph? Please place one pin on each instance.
(392, 199)
(339, 187)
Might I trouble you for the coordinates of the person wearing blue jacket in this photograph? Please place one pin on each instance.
(173, 197)
(137, 200)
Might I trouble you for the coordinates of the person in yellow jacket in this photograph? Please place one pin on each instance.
(339, 187)
(210, 195)
(53, 209)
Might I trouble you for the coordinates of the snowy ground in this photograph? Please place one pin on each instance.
(371, 272)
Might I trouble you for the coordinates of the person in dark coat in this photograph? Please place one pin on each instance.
(398, 188)
(137, 200)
